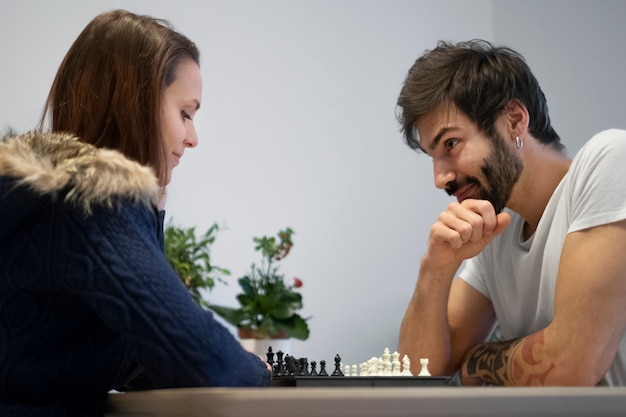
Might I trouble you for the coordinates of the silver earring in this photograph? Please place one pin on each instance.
(518, 142)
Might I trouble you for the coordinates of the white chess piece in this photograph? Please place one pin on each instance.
(386, 355)
(364, 369)
(354, 371)
(406, 366)
(373, 366)
(424, 370)
(346, 370)
(381, 367)
(395, 362)
(387, 369)
(386, 362)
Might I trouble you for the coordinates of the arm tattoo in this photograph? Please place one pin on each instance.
(489, 362)
(514, 362)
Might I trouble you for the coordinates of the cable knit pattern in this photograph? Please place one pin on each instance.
(88, 301)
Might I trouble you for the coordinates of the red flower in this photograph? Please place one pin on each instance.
(297, 282)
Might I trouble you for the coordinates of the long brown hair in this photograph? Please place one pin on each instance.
(108, 88)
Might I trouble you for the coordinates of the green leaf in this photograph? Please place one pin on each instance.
(190, 256)
(295, 326)
(267, 305)
(233, 316)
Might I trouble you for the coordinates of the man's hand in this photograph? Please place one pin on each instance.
(463, 230)
(445, 318)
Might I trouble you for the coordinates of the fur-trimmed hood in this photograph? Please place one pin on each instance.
(63, 167)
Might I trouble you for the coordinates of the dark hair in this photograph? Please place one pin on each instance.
(479, 80)
(108, 88)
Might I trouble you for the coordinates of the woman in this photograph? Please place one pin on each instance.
(88, 301)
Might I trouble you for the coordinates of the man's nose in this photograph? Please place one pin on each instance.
(443, 173)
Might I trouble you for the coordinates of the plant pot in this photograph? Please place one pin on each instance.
(278, 342)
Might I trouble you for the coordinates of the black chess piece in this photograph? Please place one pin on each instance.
(337, 371)
(303, 368)
(313, 370)
(270, 357)
(291, 365)
(323, 368)
(279, 367)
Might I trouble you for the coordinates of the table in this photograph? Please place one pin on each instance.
(371, 402)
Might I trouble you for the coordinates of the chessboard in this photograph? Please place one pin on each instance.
(386, 371)
(360, 381)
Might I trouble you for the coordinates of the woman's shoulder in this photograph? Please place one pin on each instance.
(82, 175)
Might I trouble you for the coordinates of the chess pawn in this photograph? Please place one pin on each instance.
(364, 369)
(354, 371)
(406, 366)
(424, 370)
(323, 368)
(313, 370)
(346, 370)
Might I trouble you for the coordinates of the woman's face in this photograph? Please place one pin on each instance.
(181, 101)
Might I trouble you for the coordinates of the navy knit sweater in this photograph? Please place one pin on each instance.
(88, 301)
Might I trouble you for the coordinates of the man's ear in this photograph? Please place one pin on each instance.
(517, 118)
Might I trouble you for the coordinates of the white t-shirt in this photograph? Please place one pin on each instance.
(519, 276)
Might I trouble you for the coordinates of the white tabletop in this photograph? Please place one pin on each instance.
(371, 402)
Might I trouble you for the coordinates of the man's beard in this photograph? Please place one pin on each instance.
(501, 170)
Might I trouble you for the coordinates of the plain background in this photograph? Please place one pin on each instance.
(297, 128)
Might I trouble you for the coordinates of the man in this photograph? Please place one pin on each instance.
(544, 236)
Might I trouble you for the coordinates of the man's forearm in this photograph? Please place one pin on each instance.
(513, 363)
(424, 331)
(425, 336)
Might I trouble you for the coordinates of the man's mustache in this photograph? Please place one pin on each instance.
(454, 186)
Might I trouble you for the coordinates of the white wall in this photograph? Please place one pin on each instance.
(297, 128)
(301, 132)
(577, 50)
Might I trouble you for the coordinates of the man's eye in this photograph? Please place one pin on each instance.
(186, 115)
(451, 143)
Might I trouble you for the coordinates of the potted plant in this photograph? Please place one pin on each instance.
(268, 303)
(190, 256)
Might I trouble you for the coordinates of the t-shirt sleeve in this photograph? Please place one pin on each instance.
(598, 187)
(472, 273)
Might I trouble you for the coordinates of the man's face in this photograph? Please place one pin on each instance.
(466, 162)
